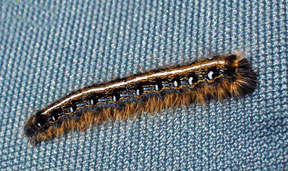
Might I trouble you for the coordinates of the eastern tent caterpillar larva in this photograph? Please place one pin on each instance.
(217, 78)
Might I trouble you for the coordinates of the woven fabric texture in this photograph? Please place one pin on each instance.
(50, 48)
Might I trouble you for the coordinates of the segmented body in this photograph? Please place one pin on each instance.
(217, 78)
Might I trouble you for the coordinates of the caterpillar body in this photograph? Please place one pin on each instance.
(217, 78)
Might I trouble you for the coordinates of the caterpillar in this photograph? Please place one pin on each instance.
(217, 78)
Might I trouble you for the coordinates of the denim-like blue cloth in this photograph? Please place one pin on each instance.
(50, 48)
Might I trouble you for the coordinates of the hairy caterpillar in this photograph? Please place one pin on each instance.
(217, 78)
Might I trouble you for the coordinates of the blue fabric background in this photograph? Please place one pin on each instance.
(50, 48)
